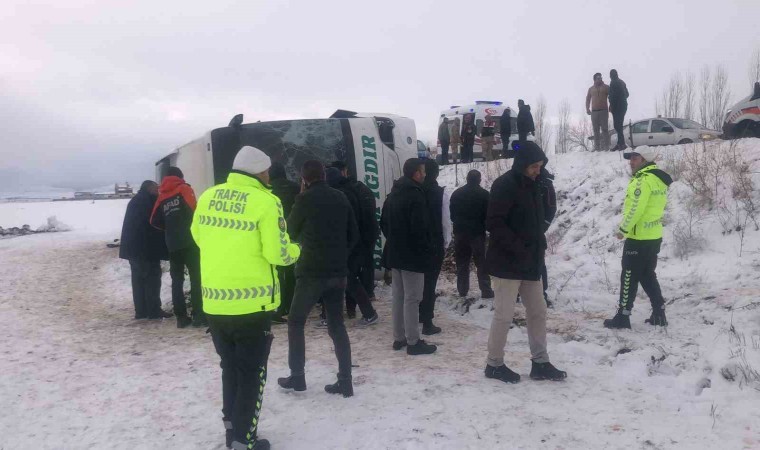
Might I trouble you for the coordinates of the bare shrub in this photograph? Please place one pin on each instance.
(687, 232)
(674, 164)
(579, 133)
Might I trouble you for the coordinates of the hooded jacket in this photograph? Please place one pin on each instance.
(618, 94)
(515, 221)
(139, 240)
(525, 123)
(443, 132)
(645, 201)
(469, 130)
(405, 222)
(505, 126)
(173, 212)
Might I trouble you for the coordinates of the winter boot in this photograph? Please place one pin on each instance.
(229, 437)
(199, 320)
(342, 387)
(429, 329)
(259, 444)
(621, 320)
(486, 294)
(279, 320)
(502, 373)
(351, 314)
(295, 382)
(421, 348)
(183, 321)
(365, 322)
(549, 303)
(546, 371)
(657, 318)
(398, 345)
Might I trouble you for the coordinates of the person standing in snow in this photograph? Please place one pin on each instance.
(487, 136)
(173, 213)
(408, 252)
(286, 191)
(444, 139)
(645, 201)
(369, 229)
(354, 289)
(469, 130)
(505, 130)
(618, 94)
(514, 258)
(468, 207)
(440, 225)
(525, 123)
(144, 247)
(549, 198)
(597, 108)
(240, 229)
(455, 136)
(324, 224)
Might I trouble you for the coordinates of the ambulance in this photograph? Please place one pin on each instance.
(481, 112)
(374, 147)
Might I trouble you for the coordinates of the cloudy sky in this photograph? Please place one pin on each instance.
(93, 92)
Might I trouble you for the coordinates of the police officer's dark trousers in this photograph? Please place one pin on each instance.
(639, 264)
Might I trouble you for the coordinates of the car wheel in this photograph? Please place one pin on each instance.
(685, 141)
(748, 129)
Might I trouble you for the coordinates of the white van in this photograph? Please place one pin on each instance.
(743, 119)
(479, 112)
(374, 147)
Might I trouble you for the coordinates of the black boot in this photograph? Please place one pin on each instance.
(620, 321)
(199, 320)
(502, 373)
(421, 348)
(546, 371)
(398, 345)
(183, 321)
(657, 318)
(295, 382)
(229, 437)
(342, 387)
(428, 329)
(259, 444)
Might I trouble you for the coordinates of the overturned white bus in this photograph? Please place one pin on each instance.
(374, 147)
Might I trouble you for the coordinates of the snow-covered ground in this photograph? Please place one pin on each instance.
(78, 372)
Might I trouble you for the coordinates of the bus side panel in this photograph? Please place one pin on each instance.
(194, 161)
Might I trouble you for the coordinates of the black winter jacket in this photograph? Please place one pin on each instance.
(139, 240)
(369, 229)
(525, 120)
(505, 126)
(405, 222)
(286, 191)
(434, 199)
(469, 130)
(468, 207)
(618, 94)
(548, 195)
(323, 223)
(516, 222)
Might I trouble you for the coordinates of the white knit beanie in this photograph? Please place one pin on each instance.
(251, 160)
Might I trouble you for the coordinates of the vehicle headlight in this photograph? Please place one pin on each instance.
(706, 137)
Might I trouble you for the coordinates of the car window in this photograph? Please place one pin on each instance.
(686, 124)
(641, 127)
(421, 146)
(658, 125)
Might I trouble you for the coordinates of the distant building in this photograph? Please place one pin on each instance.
(123, 191)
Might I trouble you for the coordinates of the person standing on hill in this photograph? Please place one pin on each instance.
(487, 136)
(514, 258)
(549, 198)
(438, 206)
(525, 123)
(408, 252)
(469, 206)
(173, 213)
(645, 201)
(618, 94)
(324, 224)
(286, 191)
(456, 138)
(597, 108)
(469, 130)
(505, 130)
(240, 229)
(144, 247)
(444, 139)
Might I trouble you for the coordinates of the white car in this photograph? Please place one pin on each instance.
(664, 131)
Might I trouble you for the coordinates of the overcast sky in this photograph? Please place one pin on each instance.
(93, 92)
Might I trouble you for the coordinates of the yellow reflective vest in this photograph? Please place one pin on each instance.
(242, 235)
(645, 202)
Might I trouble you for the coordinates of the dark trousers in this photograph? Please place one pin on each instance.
(444, 152)
(287, 277)
(427, 304)
(467, 153)
(368, 272)
(307, 294)
(189, 257)
(618, 117)
(466, 248)
(146, 288)
(639, 264)
(243, 344)
(356, 295)
(523, 137)
(544, 278)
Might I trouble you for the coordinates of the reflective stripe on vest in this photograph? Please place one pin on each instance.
(233, 224)
(240, 294)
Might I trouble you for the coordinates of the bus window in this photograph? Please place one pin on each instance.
(385, 130)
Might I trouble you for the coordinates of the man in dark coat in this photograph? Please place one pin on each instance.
(469, 130)
(514, 258)
(618, 97)
(354, 288)
(549, 198)
(144, 247)
(525, 123)
(436, 200)
(444, 139)
(408, 252)
(469, 206)
(505, 129)
(369, 229)
(173, 213)
(286, 191)
(323, 223)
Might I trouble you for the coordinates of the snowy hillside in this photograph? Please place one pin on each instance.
(79, 373)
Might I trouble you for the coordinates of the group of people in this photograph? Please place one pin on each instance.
(258, 231)
(603, 99)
